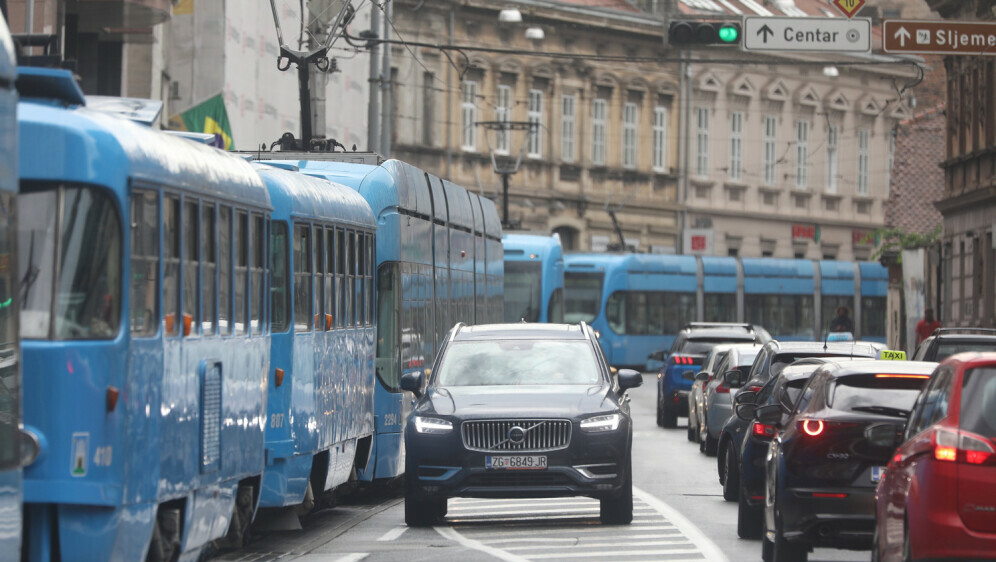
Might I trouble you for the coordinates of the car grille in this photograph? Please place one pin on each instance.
(538, 435)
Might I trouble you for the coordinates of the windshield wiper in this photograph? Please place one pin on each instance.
(30, 274)
(884, 410)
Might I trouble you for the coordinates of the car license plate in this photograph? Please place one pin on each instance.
(515, 462)
(877, 472)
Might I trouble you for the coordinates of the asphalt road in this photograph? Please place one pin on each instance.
(679, 515)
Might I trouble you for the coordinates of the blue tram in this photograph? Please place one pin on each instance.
(439, 262)
(534, 278)
(639, 302)
(10, 362)
(320, 410)
(145, 328)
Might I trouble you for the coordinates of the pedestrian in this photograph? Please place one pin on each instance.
(842, 322)
(926, 326)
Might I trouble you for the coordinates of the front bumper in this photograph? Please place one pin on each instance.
(836, 522)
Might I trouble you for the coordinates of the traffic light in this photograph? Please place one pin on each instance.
(691, 33)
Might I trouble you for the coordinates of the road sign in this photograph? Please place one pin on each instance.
(848, 7)
(807, 34)
(940, 37)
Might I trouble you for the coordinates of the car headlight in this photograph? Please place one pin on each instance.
(601, 423)
(432, 425)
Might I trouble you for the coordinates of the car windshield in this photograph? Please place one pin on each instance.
(946, 348)
(978, 402)
(518, 362)
(884, 394)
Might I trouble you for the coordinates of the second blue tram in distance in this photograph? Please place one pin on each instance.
(534, 278)
(439, 262)
(639, 302)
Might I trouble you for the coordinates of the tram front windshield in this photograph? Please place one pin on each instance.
(583, 293)
(523, 291)
(69, 266)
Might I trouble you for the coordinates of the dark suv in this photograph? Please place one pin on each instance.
(687, 352)
(519, 411)
(945, 342)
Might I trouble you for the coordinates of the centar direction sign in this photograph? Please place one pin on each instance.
(807, 34)
(940, 37)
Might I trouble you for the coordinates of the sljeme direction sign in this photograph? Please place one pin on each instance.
(940, 37)
(807, 34)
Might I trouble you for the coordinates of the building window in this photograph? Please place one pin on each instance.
(702, 142)
(801, 154)
(736, 146)
(832, 169)
(702, 191)
(770, 123)
(535, 117)
(468, 110)
(801, 202)
(769, 198)
(863, 135)
(735, 194)
(660, 139)
(831, 204)
(629, 135)
(864, 207)
(568, 107)
(503, 113)
(598, 131)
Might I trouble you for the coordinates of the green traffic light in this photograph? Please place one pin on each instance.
(729, 34)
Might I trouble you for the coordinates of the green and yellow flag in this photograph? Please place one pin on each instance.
(209, 116)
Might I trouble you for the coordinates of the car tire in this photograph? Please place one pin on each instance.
(907, 544)
(875, 554)
(422, 512)
(660, 409)
(618, 510)
(692, 424)
(669, 417)
(731, 483)
(711, 444)
(783, 550)
(750, 520)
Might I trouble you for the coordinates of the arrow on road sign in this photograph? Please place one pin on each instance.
(902, 35)
(765, 32)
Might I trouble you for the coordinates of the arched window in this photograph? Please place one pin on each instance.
(568, 237)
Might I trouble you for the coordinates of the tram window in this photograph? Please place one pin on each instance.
(388, 330)
(649, 312)
(350, 276)
(144, 263)
(171, 273)
(191, 257)
(361, 299)
(829, 309)
(10, 373)
(328, 282)
(555, 310)
(241, 271)
(340, 277)
(873, 312)
(209, 265)
(319, 251)
(720, 307)
(279, 278)
(258, 280)
(369, 282)
(782, 315)
(583, 296)
(225, 270)
(302, 277)
(84, 301)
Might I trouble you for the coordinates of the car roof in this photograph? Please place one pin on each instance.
(519, 330)
(742, 349)
(866, 366)
(971, 359)
(795, 372)
(839, 348)
(717, 333)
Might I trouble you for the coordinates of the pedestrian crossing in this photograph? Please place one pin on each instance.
(551, 529)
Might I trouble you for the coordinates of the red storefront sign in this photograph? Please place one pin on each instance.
(804, 231)
(698, 243)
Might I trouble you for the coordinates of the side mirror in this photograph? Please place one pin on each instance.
(885, 435)
(733, 378)
(658, 356)
(771, 414)
(628, 378)
(412, 382)
(703, 376)
(688, 375)
(745, 411)
(745, 397)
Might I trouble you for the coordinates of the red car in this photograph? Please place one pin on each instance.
(937, 498)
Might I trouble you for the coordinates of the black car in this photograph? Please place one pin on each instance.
(741, 467)
(945, 342)
(519, 411)
(825, 461)
(687, 352)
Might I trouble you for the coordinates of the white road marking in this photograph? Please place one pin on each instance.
(393, 533)
(451, 534)
(353, 557)
(581, 544)
(705, 544)
(616, 555)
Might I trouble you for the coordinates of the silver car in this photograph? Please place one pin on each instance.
(695, 421)
(717, 400)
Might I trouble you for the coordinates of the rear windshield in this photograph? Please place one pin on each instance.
(791, 391)
(884, 394)
(948, 347)
(978, 402)
(702, 347)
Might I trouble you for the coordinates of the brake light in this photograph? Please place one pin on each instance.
(722, 389)
(900, 376)
(829, 495)
(812, 427)
(753, 388)
(680, 360)
(762, 431)
(963, 447)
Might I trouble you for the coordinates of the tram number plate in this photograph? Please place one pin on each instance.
(877, 472)
(515, 462)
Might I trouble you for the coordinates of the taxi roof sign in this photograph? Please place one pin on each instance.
(892, 355)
